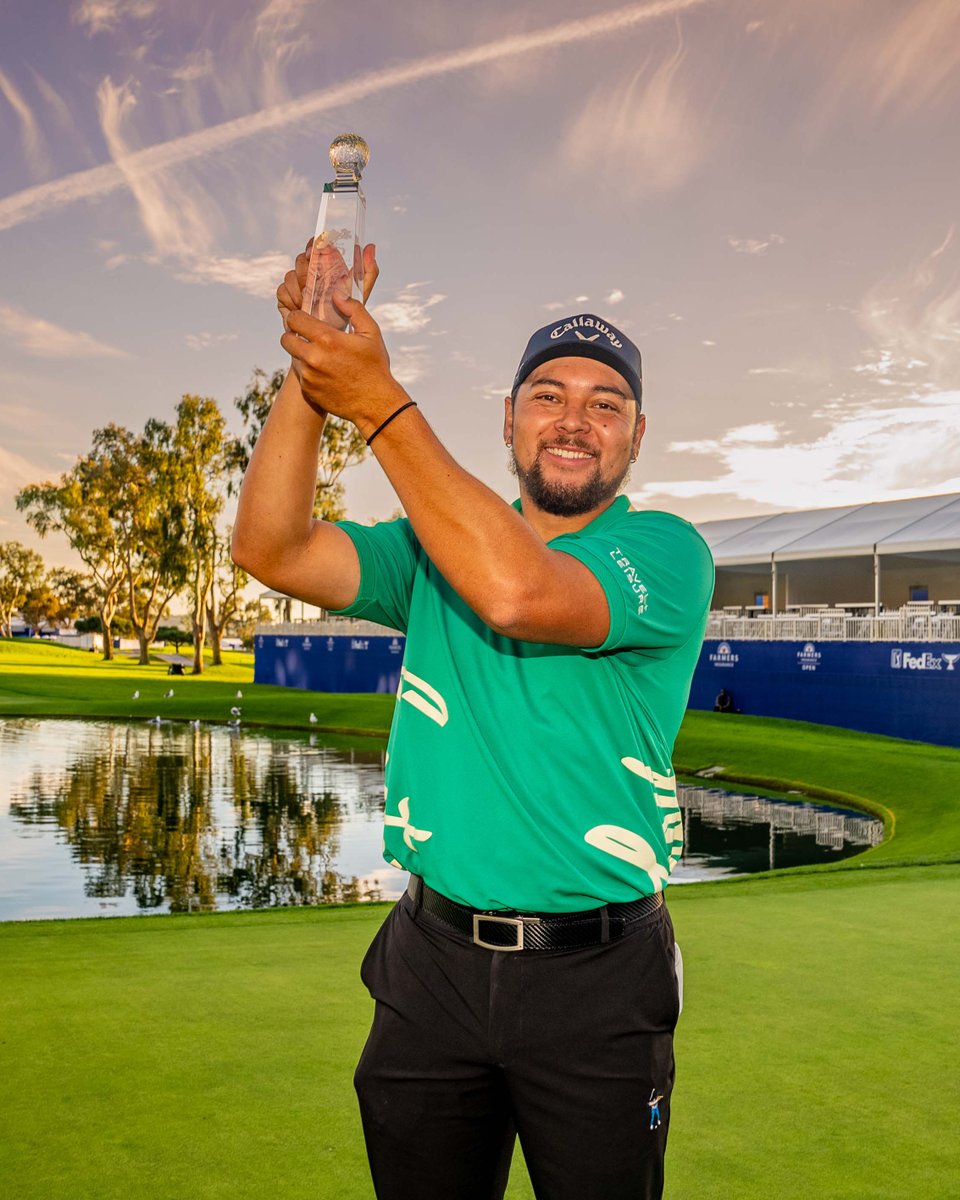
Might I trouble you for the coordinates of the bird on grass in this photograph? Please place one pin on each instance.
(234, 712)
(168, 695)
(136, 695)
(313, 718)
(239, 694)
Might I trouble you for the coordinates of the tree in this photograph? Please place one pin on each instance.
(20, 571)
(148, 521)
(40, 606)
(254, 613)
(229, 580)
(81, 506)
(195, 482)
(76, 592)
(342, 446)
(173, 633)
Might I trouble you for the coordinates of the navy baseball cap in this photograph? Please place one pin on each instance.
(583, 336)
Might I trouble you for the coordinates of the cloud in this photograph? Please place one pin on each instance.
(645, 127)
(755, 246)
(55, 102)
(175, 217)
(16, 472)
(873, 452)
(203, 341)
(901, 62)
(770, 371)
(197, 65)
(913, 319)
(407, 313)
(43, 339)
(97, 182)
(409, 364)
(104, 16)
(259, 275)
(30, 136)
(614, 297)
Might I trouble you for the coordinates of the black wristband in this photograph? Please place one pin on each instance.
(395, 413)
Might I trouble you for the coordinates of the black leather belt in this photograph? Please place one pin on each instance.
(533, 931)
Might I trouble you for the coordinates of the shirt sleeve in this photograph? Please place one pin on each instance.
(388, 554)
(657, 574)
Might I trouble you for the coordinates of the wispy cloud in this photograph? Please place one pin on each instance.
(258, 275)
(203, 341)
(55, 102)
(614, 297)
(196, 65)
(874, 452)
(103, 16)
(913, 320)
(177, 219)
(409, 364)
(904, 60)
(755, 246)
(35, 202)
(407, 312)
(30, 135)
(43, 339)
(652, 138)
(16, 472)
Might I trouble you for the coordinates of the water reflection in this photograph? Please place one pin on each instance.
(99, 817)
(729, 834)
(181, 819)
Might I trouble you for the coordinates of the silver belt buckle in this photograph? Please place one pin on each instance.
(516, 922)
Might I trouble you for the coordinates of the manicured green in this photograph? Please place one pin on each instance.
(51, 680)
(211, 1056)
(913, 785)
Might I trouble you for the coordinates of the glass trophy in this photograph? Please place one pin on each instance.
(336, 261)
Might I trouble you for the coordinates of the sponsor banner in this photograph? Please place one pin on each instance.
(331, 664)
(909, 690)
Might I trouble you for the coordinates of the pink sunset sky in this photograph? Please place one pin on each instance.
(762, 193)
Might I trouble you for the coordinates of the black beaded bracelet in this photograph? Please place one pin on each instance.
(395, 413)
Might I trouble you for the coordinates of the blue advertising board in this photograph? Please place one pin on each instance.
(903, 689)
(350, 663)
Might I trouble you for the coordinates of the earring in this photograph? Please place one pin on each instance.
(509, 445)
(633, 458)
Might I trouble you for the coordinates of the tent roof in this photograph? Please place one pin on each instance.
(924, 524)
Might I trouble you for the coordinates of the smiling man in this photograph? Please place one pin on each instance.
(527, 981)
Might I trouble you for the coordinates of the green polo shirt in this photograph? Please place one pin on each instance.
(538, 777)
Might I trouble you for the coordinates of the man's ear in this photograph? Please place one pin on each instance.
(638, 433)
(507, 419)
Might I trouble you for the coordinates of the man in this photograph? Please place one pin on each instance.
(526, 983)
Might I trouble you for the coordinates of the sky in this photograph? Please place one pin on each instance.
(763, 194)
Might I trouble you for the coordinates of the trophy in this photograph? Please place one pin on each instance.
(336, 260)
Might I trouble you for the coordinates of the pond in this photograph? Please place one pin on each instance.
(107, 818)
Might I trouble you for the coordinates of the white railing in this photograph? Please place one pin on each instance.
(836, 626)
(332, 627)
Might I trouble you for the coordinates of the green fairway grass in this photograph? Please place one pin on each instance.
(46, 679)
(211, 1056)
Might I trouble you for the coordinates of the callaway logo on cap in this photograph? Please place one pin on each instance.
(584, 336)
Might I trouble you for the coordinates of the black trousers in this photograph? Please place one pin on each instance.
(572, 1050)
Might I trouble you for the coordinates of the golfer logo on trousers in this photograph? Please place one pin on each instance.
(654, 1105)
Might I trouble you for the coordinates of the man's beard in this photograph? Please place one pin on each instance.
(566, 499)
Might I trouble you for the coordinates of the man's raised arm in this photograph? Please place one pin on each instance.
(275, 536)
